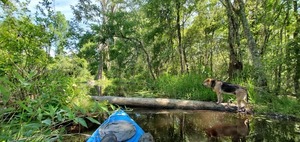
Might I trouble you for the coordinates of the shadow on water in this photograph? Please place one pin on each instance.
(195, 126)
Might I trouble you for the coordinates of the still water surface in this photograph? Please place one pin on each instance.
(200, 125)
(213, 126)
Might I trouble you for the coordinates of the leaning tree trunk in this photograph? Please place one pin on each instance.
(259, 73)
(147, 56)
(148, 59)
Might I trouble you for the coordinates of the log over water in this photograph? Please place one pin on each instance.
(166, 103)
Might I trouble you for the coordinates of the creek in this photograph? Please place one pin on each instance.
(203, 125)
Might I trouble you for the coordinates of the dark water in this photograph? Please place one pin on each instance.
(197, 126)
(210, 126)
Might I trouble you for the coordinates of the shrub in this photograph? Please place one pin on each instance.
(38, 102)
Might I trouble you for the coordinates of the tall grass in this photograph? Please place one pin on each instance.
(186, 86)
(267, 102)
(189, 86)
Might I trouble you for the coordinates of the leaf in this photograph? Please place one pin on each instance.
(81, 121)
(40, 114)
(93, 120)
(104, 108)
(20, 103)
(59, 117)
(70, 115)
(47, 122)
(19, 77)
(6, 81)
(5, 91)
(5, 94)
(52, 110)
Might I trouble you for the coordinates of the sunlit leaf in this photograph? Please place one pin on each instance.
(47, 122)
(93, 120)
(104, 108)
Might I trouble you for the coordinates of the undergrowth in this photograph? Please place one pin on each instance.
(38, 105)
(266, 102)
(189, 86)
(186, 86)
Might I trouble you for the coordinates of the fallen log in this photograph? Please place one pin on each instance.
(166, 103)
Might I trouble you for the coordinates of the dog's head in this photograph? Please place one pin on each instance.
(209, 82)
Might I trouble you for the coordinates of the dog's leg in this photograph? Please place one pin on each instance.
(244, 107)
(239, 104)
(241, 97)
(220, 99)
(218, 96)
(242, 104)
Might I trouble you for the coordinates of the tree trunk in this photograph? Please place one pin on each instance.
(142, 46)
(148, 60)
(284, 52)
(235, 64)
(297, 50)
(180, 48)
(100, 68)
(103, 44)
(259, 73)
(165, 103)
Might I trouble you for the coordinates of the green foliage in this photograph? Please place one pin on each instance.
(40, 124)
(49, 100)
(141, 55)
(187, 86)
(131, 86)
(40, 94)
(280, 105)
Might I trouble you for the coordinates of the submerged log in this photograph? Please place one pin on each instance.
(166, 103)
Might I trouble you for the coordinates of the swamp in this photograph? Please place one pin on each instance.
(55, 56)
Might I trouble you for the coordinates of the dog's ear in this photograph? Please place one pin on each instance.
(207, 80)
(212, 83)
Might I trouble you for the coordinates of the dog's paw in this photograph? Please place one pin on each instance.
(243, 110)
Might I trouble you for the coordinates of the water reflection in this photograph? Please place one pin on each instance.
(237, 132)
(197, 126)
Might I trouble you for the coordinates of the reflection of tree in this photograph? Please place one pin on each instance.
(236, 132)
(182, 127)
(266, 130)
(163, 127)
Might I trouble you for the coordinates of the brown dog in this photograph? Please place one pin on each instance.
(220, 87)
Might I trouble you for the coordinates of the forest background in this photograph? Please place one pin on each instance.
(145, 48)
